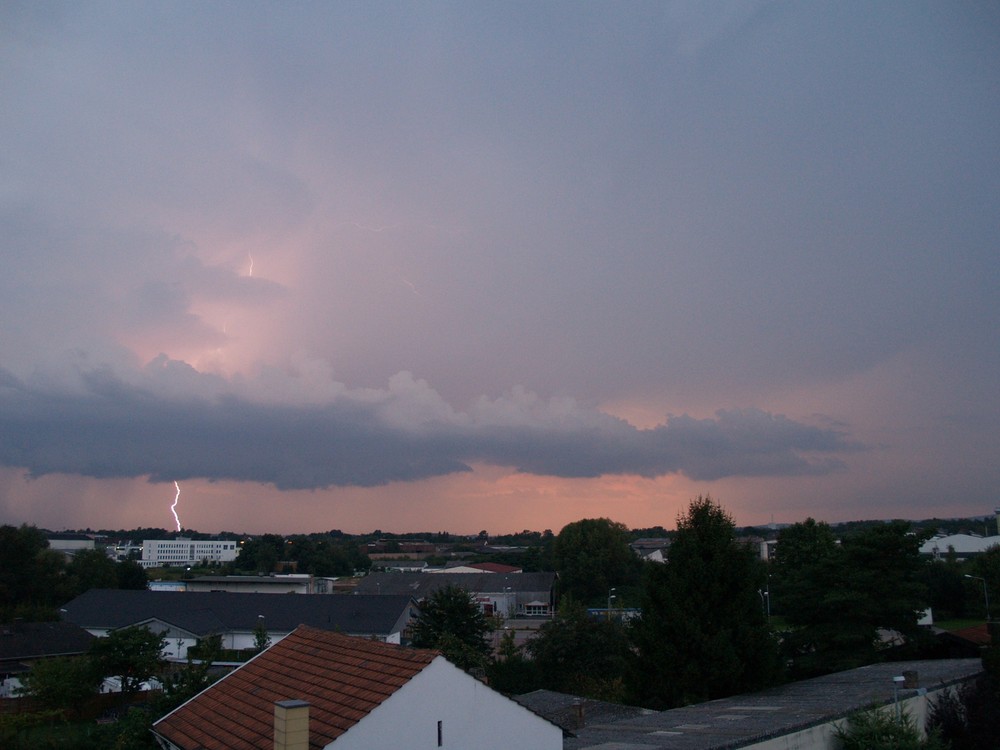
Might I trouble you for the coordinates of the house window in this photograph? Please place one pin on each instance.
(440, 734)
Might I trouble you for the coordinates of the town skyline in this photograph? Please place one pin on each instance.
(986, 525)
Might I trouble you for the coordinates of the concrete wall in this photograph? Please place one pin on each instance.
(821, 737)
(471, 714)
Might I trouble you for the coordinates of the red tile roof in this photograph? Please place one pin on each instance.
(341, 677)
(978, 634)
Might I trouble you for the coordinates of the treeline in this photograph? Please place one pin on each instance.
(317, 554)
(67, 696)
(716, 620)
(702, 632)
(35, 580)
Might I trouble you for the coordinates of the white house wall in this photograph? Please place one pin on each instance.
(823, 736)
(472, 715)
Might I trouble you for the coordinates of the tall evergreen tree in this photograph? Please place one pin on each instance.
(703, 633)
(30, 573)
(450, 620)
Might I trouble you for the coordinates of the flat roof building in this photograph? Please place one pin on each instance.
(799, 715)
(159, 553)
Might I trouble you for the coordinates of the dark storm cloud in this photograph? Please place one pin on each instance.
(108, 428)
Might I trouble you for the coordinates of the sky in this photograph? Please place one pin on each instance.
(421, 266)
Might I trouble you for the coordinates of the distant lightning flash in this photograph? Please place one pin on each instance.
(174, 506)
(250, 272)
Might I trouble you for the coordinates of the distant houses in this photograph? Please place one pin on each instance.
(186, 617)
(70, 543)
(507, 594)
(651, 549)
(962, 546)
(481, 567)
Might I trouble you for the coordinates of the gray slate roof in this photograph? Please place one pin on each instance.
(566, 710)
(34, 640)
(248, 579)
(206, 612)
(743, 720)
(420, 585)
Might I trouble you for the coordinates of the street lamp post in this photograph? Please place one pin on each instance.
(611, 596)
(986, 593)
(765, 602)
(767, 597)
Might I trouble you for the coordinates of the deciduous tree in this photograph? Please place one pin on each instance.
(131, 575)
(261, 555)
(196, 675)
(837, 598)
(578, 654)
(969, 718)
(592, 556)
(261, 640)
(62, 683)
(92, 569)
(987, 566)
(132, 654)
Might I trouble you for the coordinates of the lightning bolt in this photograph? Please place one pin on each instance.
(250, 272)
(410, 285)
(174, 506)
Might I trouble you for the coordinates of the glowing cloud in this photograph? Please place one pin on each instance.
(176, 423)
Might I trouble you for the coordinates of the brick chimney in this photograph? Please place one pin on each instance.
(291, 725)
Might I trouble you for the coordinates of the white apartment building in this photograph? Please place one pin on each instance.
(157, 553)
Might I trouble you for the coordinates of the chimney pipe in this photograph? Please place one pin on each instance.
(291, 725)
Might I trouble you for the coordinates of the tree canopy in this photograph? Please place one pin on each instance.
(31, 575)
(35, 580)
(63, 683)
(317, 554)
(451, 621)
(703, 633)
(578, 654)
(132, 654)
(836, 598)
(592, 556)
